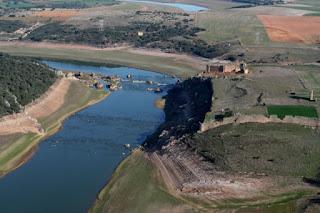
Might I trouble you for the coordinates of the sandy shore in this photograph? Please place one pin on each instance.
(49, 45)
(193, 60)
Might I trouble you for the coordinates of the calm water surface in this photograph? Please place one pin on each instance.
(70, 168)
(185, 7)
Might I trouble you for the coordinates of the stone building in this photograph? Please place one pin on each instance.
(225, 67)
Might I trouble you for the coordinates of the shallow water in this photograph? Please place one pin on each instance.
(70, 168)
(185, 7)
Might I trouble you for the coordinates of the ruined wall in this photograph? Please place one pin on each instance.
(241, 119)
(223, 68)
(215, 68)
(228, 68)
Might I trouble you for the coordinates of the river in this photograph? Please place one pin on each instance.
(182, 6)
(70, 167)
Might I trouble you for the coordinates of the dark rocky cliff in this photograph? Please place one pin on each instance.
(186, 106)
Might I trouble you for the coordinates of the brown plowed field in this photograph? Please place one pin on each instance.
(299, 29)
(59, 14)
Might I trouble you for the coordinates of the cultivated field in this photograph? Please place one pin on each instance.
(58, 14)
(292, 29)
(227, 25)
(282, 111)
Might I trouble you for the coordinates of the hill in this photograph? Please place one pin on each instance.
(22, 80)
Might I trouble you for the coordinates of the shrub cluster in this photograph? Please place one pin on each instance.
(178, 37)
(10, 26)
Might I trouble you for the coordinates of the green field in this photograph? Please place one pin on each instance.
(283, 110)
(224, 26)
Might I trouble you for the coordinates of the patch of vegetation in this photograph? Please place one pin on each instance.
(6, 140)
(312, 14)
(283, 110)
(22, 80)
(179, 37)
(10, 26)
(274, 149)
(225, 114)
(15, 152)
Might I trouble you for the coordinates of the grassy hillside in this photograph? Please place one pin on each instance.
(262, 148)
(21, 81)
(136, 186)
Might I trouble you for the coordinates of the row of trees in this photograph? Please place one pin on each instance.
(261, 2)
(22, 80)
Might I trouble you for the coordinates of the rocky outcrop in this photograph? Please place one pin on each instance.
(186, 106)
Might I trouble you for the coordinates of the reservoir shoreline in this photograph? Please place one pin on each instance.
(152, 115)
(33, 141)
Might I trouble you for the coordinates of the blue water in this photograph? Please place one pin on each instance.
(70, 167)
(185, 7)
